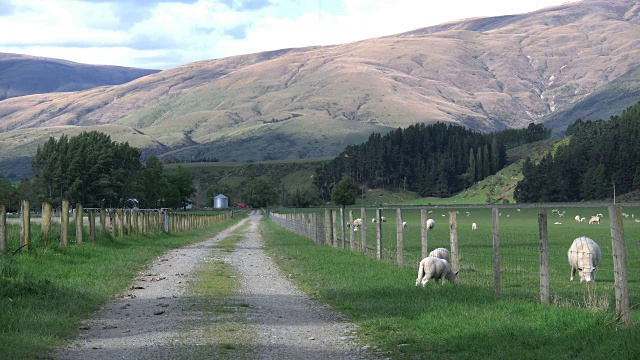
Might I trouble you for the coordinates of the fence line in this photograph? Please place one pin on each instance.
(517, 265)
(121, 222)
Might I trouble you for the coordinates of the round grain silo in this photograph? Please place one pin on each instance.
(220, 202)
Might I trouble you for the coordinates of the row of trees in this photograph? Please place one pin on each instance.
(97, 172)
(433, 160)
(599, 156)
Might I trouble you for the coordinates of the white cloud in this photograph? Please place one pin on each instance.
(163, 34)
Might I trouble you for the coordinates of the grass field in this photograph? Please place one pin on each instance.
(519, 251)
(46, 291)
(461, 321)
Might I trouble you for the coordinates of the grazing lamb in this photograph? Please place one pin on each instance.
(577, 218)
(582, 219)
(356, 224)
(373, 220)
(441, 253)
(430, 224)
(584, 255)
(468, 213)
(435, 268)
(404, 224)
(594, 220)
(474, 226)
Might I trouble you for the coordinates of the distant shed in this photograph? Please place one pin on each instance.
(220, 202)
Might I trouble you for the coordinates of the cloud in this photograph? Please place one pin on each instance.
(6, 7)
(237, 32)
(246, 5)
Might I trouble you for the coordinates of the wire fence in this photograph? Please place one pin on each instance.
(519, 252)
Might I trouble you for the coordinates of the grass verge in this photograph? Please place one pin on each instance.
(444, 322)
(47, 291)
(217, 327)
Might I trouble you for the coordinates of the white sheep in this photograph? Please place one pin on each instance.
(582, 219)
(373, 220)
(404, 224)
(584, 255)
(594, 220)
(441, 253)
(430, 224)
(474, 226)
(468, 213)
(435, 268)
(356, 224)
(577, 218)
(383, 219)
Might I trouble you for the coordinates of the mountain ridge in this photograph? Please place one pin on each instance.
(553, 65)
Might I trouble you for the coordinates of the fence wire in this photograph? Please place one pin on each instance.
(520, 273)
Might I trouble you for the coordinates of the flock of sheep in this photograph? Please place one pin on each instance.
(584, 254)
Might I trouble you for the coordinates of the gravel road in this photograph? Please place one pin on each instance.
(154, 320)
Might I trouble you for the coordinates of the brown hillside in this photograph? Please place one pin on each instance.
(575, 60)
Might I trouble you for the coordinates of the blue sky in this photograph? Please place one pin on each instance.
(161, 34)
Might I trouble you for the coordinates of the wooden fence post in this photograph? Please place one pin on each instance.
(79, 223)
(351, 243)
(64, 223)
(363, 228)
(92, 225)
(334, 225)
(328, 235)
(619, 263)
(342, 225)
(544, 256)
(378, 234)
(453, 240)
(424, 232)
(400, 237)
(120, 216)
(112, 223)
(25, 230)
(496, 251)
(3, 229)
(45, 220)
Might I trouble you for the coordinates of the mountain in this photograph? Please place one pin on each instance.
(577, 60)
(22, 75)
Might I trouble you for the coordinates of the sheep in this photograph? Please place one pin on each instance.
(435, 268)
(441, 253)
(555, 211)
(582, 219)
(373, 220)
(594, 220)
(468, 213)
(356, 224)
(383, 219)
(584, 255)
(404, 224)
(430, 224)
(636, 220)
(474, 226)
(577, 218)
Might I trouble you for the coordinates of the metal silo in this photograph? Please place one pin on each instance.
(220, 202)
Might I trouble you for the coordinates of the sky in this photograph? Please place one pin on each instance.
(162, 34)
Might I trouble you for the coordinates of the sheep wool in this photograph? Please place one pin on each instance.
(435, 268)
(441, 253)
(584, 256)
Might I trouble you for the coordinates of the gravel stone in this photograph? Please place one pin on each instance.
(287, 323)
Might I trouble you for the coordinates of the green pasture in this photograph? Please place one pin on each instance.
(453, 321)
(519, 250)
(45, 292)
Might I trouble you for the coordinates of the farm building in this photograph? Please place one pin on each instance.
(220, 202)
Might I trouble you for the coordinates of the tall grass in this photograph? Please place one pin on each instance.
(454, 321)
(45, 292)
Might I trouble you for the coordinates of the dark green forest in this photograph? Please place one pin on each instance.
(97, 172)
(600, 155)
(432, 160)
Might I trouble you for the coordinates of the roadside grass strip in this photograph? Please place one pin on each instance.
(450, 321)
(216, 324)
(46, 292)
